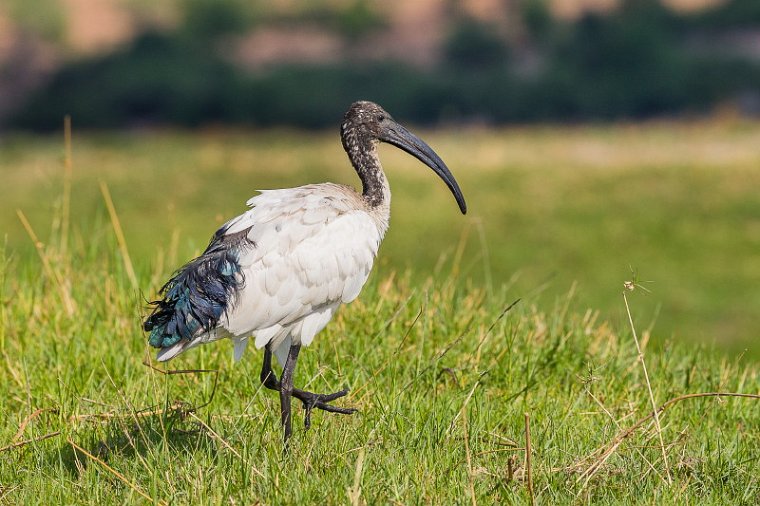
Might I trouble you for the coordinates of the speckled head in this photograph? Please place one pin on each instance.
(366, 123)
(363, 122)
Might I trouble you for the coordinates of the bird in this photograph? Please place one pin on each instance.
(278, 272)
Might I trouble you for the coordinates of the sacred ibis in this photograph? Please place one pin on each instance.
(278, 272)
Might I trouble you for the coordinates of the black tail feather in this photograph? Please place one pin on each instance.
(198, 294)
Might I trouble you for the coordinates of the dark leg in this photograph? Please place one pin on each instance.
(286, 389)
(310, 400)
(268, 377)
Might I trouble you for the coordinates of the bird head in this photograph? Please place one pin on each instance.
(366, 122)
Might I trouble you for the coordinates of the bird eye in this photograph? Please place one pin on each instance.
(381, 118)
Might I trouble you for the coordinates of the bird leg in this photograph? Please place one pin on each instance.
(267, 376)
(286, 388)
(310, 400)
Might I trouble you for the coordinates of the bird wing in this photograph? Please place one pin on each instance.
(312, 248)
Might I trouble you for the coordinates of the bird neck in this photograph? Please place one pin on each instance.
(366, 162)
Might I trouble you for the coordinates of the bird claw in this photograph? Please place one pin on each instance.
(321, 401)
(310, 400)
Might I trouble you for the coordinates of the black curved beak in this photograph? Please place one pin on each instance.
(404, 139)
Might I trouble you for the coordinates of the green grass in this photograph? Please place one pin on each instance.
(433, 368)
(441, 375)
(548, 207)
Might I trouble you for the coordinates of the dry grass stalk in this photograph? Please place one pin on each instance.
(67, 173)
(179, 407)
(355, 492)
(464, 406)
(528, 460)
(116, 473)
(220, 439)
(601, 454)
(19, 444)
(224, 443)
(468, 456)
(170, 372)
(617, 424)
(390, 359)
(119, 235)
(28, 419)
(630, 285)
(68, 302)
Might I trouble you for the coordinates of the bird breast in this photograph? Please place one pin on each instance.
(311, 249)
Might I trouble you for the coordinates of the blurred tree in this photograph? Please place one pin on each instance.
(44, 18)
(358, 19)
(207, 20)
(156, 80)
(731, 14)
(474, 45)
(627, 63)
(537, 18)
(638, 61)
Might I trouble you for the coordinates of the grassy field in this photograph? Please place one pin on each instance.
(442, 367)
(549, 207)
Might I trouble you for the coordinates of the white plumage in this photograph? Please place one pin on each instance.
(312, 249)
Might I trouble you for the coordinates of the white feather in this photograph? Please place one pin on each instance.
(263, 336)
(282, 350)
(314, 323)
(240, 346)
(169, 353)
(312, 249)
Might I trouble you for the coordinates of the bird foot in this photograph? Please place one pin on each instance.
(311, 400)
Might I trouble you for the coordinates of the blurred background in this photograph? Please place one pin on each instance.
(116, 63)
(592, 138)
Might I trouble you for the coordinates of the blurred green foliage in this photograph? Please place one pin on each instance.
(357, 20)
(158, 79)
(43, 17)
(206, 20)
(475, 45)
(639, 61)
(745, 13)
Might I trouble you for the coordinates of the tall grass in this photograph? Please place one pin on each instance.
(548, 207)
(442, 371)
